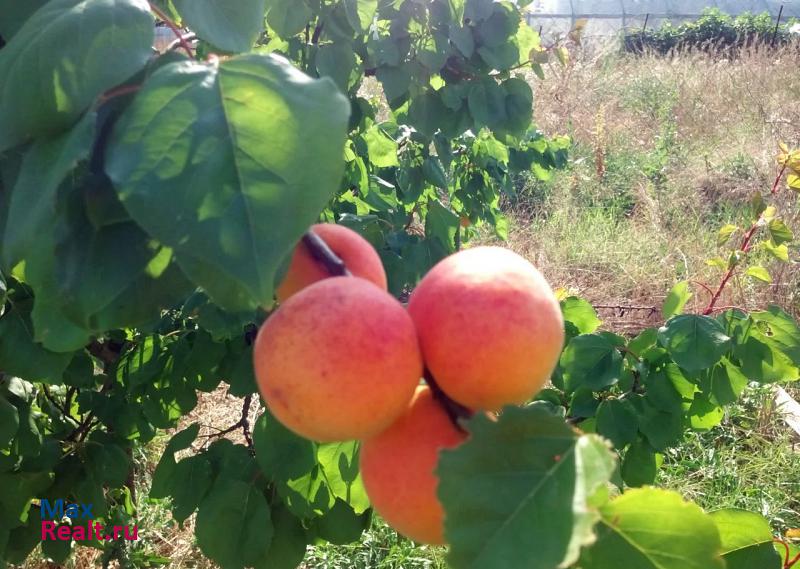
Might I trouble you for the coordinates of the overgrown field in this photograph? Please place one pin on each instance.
(665, 152)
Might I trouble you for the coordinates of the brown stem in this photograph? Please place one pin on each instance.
(246, 423)
(455, 411)
(243, 423)
(323, 254)
(317, 33)
(172, 26)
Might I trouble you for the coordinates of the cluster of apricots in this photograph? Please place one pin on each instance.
(342, 359)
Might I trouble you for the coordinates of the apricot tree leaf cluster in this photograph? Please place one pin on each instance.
(149, 203)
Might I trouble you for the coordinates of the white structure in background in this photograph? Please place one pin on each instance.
(608, 17)
(164, 37)
(795, 29)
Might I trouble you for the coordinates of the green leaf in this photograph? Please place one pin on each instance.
(677, 298)
(780, 252)
(106, 462)
(341, 525)
(654, 529)
(288, 547)
(759, 273)
(591, 361)
(779, 330)
(252, 167)
(725, 233)
(20, 355)
(694, 342)
(9, 422)
(382, 149)
(360, 13)
(526, 477)
(336, 61)
(640, 465)
(442, 224)
(724, 383)
(705, 414)
(15, 13)
(164, 474)
(57, 550)
(281, 454)
(746, 540)
(779, 232)
(191, 481)
(581, 314)
(34, 195)
(662, 428)
(230, 26)
(617, 421)
(288, 17)
(242, 510)
(339, 463)
(762, 362)
(58, 62)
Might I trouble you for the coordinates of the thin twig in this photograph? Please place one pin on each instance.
(172, 26)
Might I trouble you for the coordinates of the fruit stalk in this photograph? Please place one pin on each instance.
(454, 410)
(323, 254)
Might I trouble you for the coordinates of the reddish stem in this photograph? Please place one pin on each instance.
(744, 247)
(778, 178)
(705, 286)
(786, 547)
(118, 92)
(172, 26)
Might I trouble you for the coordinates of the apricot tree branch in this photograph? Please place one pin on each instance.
(323, 254)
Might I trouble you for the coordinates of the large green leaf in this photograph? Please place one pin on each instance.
(592, 361)
(581, 314)
(518, 492)
(20, 355)
(762, 361)
(9, 422)
(640, 465)
(746, 540)
(360, 13)
(63, 57)
(677, 298)
(781, 330)
(694, 342)
(230, 26)
(233, 524)
(654, 529)
(34, 195)
(15, 13)
(209, 159)
(281, 454)
(616, 420)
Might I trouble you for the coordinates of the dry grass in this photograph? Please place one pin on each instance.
(666, 151)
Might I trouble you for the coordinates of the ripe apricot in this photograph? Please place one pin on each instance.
(489, 325)
(338, 361)
(356, 252)
(398, 467)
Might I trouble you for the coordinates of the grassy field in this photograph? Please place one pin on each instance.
(666, 151)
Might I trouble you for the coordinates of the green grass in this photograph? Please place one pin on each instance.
(380, 548)
(750, 461)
